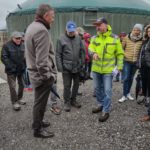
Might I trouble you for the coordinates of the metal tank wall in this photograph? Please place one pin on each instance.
(119, 22)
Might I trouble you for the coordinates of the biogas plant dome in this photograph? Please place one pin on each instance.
(121, 14)
(126, 6)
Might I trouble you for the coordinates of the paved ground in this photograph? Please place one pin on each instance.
(77, 130)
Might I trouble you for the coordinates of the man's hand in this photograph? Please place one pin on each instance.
(95, 56)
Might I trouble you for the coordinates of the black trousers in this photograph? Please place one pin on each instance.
(71, 85)
(145, 74)
(14, 94)
(41, 94)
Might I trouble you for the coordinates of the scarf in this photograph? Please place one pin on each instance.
(135, 38)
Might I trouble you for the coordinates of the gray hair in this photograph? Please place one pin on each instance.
(42, 9)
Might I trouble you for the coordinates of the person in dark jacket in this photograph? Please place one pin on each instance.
(69, 60)
(12, 57)
(144, 65)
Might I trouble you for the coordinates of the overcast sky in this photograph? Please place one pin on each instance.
(7, 6)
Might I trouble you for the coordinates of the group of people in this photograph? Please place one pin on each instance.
(75, 50)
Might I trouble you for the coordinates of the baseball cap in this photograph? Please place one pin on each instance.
(71, 26)
(16, 34)
(100, 21)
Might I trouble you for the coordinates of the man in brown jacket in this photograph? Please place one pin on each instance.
(41, 65)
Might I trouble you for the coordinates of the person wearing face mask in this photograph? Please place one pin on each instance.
(131, 45)
(105, 48)
(69, 60)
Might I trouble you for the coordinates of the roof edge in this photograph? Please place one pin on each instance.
(76, 9)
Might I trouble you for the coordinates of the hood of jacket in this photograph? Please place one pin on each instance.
(145, 35)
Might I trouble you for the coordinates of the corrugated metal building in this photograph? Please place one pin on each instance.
(3, 37)
(121, 14)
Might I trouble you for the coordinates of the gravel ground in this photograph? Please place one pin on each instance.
(77, 130)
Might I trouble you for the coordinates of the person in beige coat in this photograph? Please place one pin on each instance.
(41, 65)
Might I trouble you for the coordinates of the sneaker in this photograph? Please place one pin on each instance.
(122, 99)
(22, 102)
(130, 97)
(16, 106)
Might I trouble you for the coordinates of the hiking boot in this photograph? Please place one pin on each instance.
(16, 106)
(130, 97)
(121, 100)
(103, 117)
(97, 109)
(76, 104)
(67, 107)
(22, 102)
(42, 133)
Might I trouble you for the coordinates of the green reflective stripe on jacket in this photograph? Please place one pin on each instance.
(109, 49)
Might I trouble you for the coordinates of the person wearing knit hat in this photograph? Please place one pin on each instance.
(138, 26)
(132, 45)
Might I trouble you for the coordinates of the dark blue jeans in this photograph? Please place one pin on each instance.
(129, 70)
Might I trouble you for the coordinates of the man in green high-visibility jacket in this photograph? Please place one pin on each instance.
(107, 53)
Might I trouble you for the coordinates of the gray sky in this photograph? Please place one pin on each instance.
(7, 6)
